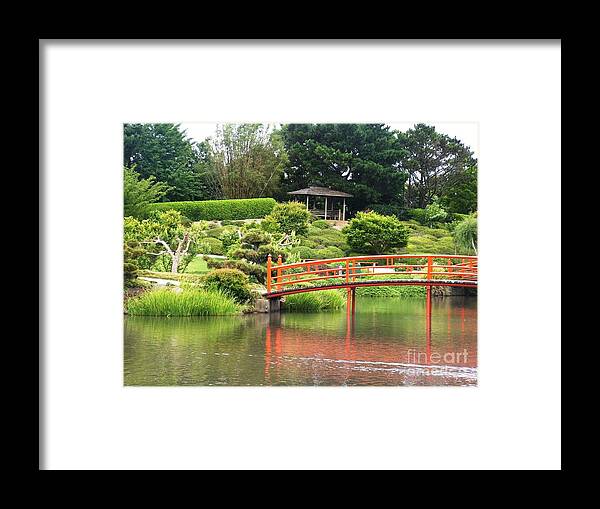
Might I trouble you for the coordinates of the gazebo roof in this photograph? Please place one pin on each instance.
(321, 191)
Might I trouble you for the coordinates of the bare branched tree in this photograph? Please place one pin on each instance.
(183, 246)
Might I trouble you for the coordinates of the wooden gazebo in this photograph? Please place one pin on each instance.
(324, 192)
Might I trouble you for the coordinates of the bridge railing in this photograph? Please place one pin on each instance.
(348, 270)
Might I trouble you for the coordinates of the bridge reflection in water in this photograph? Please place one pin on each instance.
(398, 357)
(386, 342)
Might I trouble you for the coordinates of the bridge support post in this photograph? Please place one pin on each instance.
(353, 298)
(279, 263)
(269, 273)
(275, 305)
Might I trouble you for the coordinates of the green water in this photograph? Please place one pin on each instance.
(387, 342)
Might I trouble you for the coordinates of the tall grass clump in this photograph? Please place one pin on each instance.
(188, 302)
(465, 234)
(314, 301)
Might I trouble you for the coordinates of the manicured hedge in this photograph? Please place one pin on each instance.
(210, 210)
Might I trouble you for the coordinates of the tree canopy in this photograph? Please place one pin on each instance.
(461, 194)
(163, 151)
(247, 161)
(436, 164)
(139, 193)
(361, 159)
(385, 170)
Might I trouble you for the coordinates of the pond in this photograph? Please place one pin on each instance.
(386, 343)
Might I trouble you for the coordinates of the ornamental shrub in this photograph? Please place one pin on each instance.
(329, 252)
(250, 208)
(418, 215)
(132, 251)
(307, 242)
(256, 238)
(327, 238)
(321, 224)
(228, 235)
(255, 272)
(372, 233)
(307, 253)
(287, 218)
(230, 281)
(210, 245)
(237, 252)
(303, 252)
(435, 213)
(269, 249)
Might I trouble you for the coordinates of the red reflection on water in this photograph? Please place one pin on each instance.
(428, 326)
(267, 352)
(348, 338)
(374, 355)
(278, 347)
(309, 343)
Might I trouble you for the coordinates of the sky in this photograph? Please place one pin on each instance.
(467, 132)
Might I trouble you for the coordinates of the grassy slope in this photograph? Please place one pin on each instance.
(423, 239)
(331, 243)
(197, 266)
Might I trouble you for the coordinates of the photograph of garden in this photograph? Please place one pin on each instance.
(299, 255)
(288, 234)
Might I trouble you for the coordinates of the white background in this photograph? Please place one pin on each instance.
(512, 420)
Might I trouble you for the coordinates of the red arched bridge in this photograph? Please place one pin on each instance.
(379, 270)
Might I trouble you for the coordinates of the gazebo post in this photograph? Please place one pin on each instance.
(326, 194)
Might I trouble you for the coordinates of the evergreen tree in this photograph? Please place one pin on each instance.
(437, 165)
(361, 159)
(163, 151)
